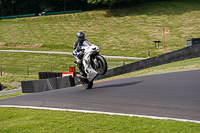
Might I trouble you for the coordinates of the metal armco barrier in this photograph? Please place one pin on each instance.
(178, 55)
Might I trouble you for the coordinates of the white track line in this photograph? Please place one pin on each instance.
(99, 112)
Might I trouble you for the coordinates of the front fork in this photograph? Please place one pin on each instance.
(96, 62)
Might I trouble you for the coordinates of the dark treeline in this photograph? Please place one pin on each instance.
(20, 7)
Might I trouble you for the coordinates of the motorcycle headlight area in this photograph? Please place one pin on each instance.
(96, 52)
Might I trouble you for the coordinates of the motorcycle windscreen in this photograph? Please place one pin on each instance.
(86, 43)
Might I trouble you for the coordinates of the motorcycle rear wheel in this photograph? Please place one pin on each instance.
(102, 69)
(87, 85)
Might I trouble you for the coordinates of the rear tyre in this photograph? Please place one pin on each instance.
(87, 85)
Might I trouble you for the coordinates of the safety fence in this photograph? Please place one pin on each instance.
(33, 70)
(18, 16)
(62, 12)
(13, 70)
(34, 14)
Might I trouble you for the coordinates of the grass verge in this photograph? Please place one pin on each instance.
(33, 120)
(11, 95)
(124, 31)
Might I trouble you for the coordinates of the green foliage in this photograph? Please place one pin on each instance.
(20, 7)
(104, 1)
(109, 2)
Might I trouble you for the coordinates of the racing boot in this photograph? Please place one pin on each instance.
(82, 73)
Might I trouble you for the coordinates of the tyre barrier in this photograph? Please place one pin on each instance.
(33, 86)
(46, 75)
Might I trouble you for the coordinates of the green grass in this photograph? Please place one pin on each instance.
(33, 120)
(11, 95)
(35, 61)
(125, 31)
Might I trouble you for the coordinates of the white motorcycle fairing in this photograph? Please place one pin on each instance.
(91, 73)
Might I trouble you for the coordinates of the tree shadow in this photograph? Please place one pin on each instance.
(117, 85)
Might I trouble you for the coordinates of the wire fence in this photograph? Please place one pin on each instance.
(33, 70)
(13, 70)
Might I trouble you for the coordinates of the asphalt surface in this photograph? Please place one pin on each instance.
(174, 95)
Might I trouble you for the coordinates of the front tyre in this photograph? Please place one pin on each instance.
(101, 68)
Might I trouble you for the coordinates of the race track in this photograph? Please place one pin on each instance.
(174, 95)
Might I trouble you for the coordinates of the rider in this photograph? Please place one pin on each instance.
(78, 53)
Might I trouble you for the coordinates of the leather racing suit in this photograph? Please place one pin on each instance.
(78, 54)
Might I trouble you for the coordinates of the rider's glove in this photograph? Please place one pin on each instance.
(74, 52)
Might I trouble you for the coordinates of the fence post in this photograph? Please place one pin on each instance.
(50, 68)
(1, 70)
(27, 71)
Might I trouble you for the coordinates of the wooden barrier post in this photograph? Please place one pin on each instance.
(1, 70)
(50, 68)
(27, 71)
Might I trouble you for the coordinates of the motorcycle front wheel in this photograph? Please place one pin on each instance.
(102, 65)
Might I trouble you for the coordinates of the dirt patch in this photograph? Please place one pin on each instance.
(36, 45)
(2, 43)
(17, 84)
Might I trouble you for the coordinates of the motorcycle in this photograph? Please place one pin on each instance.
(94, 64)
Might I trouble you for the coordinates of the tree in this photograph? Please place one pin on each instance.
(106, 2)
(7, 6)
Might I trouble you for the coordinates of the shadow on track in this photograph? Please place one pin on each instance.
(117, 85)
